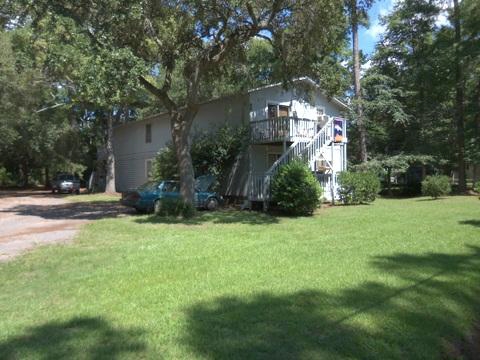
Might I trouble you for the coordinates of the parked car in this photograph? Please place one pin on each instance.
(65, 183)
(145, 197)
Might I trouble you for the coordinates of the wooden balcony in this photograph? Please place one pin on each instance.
(282, 129)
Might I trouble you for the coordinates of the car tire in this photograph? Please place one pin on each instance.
(212, 204)
(157, 207)
(77, 192)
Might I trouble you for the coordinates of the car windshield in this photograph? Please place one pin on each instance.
(170, 186)
(66, 177)
(151, 185)
(204, 182)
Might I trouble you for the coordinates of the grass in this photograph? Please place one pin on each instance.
(392, 280)
(86, 198)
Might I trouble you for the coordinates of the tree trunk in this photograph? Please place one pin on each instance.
(357, 87)
(47, 177)
(459, 101)
(389, 181)
(476, 166)
(181, 125)
(25, 170)
(109, 158)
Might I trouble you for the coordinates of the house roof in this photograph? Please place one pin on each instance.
(308, 80)
(305, 79)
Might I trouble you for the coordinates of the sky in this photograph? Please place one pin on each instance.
(369, 36)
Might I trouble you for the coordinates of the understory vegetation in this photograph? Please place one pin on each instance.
(357, 187)
(295, 190)
(436, 186)
(395, 279)
(213, 153)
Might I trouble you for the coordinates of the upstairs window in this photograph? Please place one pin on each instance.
(148, 133)
(283, 110)
(148, 168)
(320, 112)
(272, 111)
(276, 110)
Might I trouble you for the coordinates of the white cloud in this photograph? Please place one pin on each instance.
(375, 30)
(366, 66)
(442, 19)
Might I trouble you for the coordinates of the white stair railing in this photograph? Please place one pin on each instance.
(306, 150)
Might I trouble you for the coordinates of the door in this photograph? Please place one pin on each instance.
(272, 157)
(272, 111)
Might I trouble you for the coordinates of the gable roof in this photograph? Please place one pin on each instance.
(305, 79)
(309, 81)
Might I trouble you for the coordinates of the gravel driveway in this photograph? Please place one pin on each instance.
(32, 218)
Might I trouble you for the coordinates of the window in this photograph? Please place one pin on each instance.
(272, 111)
(170, 186)
(283, 110)
(148, 168)
(320, 112)
(276, 110)
(148, 133)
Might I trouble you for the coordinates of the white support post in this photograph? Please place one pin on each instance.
(332, 144)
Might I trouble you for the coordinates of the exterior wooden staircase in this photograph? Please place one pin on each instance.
(319, 149)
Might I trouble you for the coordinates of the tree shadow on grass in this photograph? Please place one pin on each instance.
(94, 210)
(80, 337)
(215, 217)
(472, 222)
(412, 319)
(431, 199)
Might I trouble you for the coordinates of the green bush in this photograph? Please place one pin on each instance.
(476, 187)
(174, 208)
(436, 186)
(296, 190)
(5, 178)
(212, 153)
(358, 187)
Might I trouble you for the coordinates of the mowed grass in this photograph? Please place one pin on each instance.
(396, 279)
(97, 197)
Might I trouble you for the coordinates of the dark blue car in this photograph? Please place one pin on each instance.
(147, 196)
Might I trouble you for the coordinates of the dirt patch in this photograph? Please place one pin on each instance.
(467, 348)
(32, 218)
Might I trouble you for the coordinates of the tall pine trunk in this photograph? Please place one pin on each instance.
(357, 87)
(459, 100)
(181, 125)
(47, 177)
(109, 158)
(476, 166)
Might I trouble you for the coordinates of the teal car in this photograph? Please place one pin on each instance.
(145, 197)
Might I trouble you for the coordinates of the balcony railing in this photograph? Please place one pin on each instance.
(281, 129)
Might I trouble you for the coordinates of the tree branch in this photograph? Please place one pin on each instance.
(161, 94)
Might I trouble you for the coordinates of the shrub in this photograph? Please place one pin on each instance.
(295, 189)
(476, 187)
(436, 186)
(4, 177)
(358, 187)
(212, 153)
(174, 208)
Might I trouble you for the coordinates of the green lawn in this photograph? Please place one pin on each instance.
(393, 280)
(85, 197)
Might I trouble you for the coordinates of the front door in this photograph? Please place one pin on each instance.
(272, 157)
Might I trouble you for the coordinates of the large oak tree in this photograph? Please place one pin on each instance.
(186, 44)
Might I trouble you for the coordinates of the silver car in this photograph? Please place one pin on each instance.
(65, 183)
